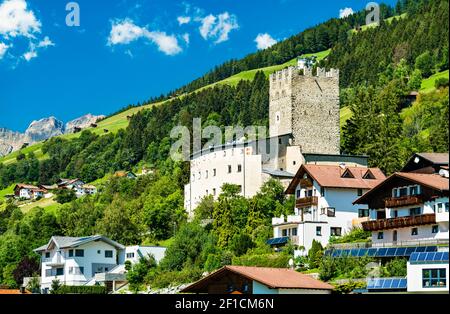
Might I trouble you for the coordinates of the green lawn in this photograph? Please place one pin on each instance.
(8, 190)
(346, 114)
(428, 84)
(46, 203)
(250, 75)
(388, 20)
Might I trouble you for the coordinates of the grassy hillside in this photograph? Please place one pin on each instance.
(388, 20)
(428, 84)
(120, 121)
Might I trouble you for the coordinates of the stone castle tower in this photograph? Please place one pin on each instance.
(307, 107)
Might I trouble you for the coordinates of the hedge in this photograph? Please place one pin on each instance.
(82, 290)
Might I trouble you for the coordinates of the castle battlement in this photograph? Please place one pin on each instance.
(307, 71)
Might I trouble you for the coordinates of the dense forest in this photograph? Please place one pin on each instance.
(379, 67)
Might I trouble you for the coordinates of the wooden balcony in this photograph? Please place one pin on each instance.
(307, 201)
(393, 202)
(400, 222)
(306, 183)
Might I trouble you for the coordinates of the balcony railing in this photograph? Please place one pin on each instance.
(400, 222)
(307, 201)
(393, 202)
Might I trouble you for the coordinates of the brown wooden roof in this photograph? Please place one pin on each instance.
(331, 176)
(273, 278)
(433, 181)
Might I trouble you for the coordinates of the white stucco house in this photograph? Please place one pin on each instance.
(28, 192)
(408, 209)
(323, 208)
(428, 272)
(78, 261)
(135, 253)
(75, 260)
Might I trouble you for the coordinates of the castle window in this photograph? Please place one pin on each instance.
(214, 192)
(214, 172)
(206, 174)
(229, 169)
(414, 231)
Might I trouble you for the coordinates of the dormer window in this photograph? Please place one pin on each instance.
(369, 175)
(348, 174)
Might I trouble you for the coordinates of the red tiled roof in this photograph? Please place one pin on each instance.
(273, 278)
(13, 291)
(331, 176)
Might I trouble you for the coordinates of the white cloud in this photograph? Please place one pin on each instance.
(183, 20)
(46, 42)
(125, 32)
(186, 38)
(218, 27)
(30, 55)
(3, 48)
(17, 20)
(264, 41)
(345, 12)
(166, 43)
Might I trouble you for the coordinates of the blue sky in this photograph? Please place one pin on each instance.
(125, 51)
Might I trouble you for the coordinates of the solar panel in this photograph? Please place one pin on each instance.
(382, 252)
(391, 252)
(362, 252)
(410, 250)
(431, 249)
(354, 252)
(395, 283)
(430, 257)
(387, 284)
(400, 251)
(420, 249)
(371, 252)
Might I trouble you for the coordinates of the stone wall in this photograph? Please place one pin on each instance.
(316, 113)
(307, 107)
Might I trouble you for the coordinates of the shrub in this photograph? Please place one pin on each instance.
(348, 287)
(65, 196)
(275, 260)
(441, 82)
(396, 267)
(315, 254)
(354, 235)
(240, 243)
(81, 290)
(166, 279)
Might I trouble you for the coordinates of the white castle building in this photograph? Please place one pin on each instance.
(304, 128)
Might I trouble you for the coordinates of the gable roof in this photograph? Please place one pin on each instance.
(331, 176)
(436, 159)
(29, 187)
(273, 278)
(70, 242)
(433, 181)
